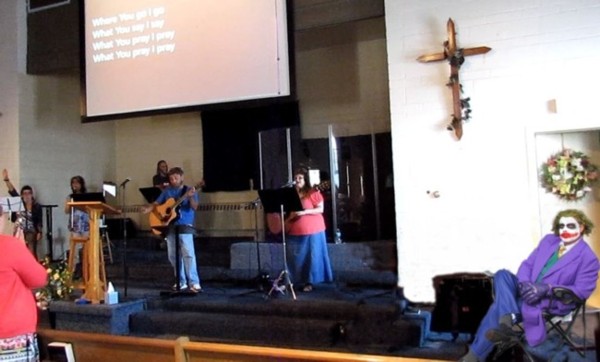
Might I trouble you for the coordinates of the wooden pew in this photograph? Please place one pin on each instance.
(91, 347)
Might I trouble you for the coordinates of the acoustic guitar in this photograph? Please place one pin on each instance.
(274, 219)
(164, 214)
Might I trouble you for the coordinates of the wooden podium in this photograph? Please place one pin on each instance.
(94, 274)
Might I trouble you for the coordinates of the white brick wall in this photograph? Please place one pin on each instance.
(487, 216)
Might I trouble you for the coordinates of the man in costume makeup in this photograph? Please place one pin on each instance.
(561, 259)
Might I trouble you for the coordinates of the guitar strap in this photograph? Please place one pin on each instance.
(183, 191)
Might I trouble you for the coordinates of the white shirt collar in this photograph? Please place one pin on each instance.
(569, 246)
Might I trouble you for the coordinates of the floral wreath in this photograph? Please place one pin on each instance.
(568, 174)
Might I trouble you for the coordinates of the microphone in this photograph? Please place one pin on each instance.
(125, 182)
(289, 184)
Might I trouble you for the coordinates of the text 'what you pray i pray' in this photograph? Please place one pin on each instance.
(131, 35)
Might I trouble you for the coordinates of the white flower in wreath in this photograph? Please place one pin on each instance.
(556, 177)
(576, 162)
(567, 175)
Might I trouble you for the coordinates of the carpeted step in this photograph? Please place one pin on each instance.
(303, 308)
(279, 330)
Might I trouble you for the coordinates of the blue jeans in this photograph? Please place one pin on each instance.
(506, 301)
(188, 270)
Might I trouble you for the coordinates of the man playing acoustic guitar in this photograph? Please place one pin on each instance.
(177, 205)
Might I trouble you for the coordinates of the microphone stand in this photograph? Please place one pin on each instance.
(125, 268)
(262, 277)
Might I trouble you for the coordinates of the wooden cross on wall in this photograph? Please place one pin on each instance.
(456, 57)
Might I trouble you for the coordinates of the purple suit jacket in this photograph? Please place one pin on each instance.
(576, 270)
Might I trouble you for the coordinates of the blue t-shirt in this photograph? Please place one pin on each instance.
(185, 212)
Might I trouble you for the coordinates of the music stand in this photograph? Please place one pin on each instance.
(49, 234)
(179, 229)
(281, 200)
(11, 204)
(150, 193)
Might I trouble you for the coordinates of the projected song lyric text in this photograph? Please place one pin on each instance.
(131, 35)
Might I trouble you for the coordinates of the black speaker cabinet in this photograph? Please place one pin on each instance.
(461, 302)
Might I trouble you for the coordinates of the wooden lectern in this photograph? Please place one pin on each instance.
(94, 274)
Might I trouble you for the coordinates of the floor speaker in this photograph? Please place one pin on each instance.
(461, 302)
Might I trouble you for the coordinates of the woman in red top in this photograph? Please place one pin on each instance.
(19, 274)
(308, 260)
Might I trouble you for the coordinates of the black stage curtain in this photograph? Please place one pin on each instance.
(231, 143)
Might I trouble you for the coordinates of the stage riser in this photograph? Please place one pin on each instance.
(280, 331)
(282, 306)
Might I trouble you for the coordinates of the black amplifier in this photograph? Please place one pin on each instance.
(461, 302)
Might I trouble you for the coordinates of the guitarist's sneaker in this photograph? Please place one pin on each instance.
(181, 287)
(196, 288)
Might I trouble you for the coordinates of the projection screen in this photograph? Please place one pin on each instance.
(152, 55)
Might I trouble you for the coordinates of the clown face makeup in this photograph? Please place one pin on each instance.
(569, 229)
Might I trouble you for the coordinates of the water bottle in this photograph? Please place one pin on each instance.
(338, 236)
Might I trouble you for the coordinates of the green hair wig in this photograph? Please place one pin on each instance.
(578, 215)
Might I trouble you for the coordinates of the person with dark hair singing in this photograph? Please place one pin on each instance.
(29, 221)
(79, 221)
(561, 259)
(306, 241)
(161, 178)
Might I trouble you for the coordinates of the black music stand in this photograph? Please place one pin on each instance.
(179, 229)
(281, 200)
(150, 193)
(49, 226)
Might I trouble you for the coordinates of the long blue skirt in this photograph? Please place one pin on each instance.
(308, 258)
